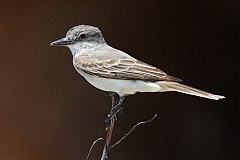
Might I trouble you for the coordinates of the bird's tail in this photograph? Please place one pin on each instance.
(174, 86)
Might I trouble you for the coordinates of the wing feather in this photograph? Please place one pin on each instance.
(124, 68)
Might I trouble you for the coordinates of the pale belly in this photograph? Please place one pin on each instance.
(122, 87)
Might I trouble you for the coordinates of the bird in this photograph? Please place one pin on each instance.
(115, 71)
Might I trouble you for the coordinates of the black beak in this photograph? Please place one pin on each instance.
(62, 42)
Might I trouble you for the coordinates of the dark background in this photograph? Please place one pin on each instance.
(48, 111)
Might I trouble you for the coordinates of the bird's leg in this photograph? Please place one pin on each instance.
(118, 107)
(115, 109)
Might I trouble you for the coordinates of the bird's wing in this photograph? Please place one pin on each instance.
(121, 68)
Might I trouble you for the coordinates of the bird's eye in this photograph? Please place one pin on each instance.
(82, 36)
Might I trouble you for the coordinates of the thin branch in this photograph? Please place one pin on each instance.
(109, 130)
(110, 126)
(108, 139)
(131, 130)
(93, 146)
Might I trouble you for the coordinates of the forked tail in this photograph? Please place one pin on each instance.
(174, 86)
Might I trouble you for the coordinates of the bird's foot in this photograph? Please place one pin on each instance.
(117, 109)
(114, 111)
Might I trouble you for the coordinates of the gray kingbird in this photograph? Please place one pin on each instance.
(112, 70)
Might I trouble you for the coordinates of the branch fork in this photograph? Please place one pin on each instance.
(110, 122)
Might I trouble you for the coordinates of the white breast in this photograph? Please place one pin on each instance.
(122, 87)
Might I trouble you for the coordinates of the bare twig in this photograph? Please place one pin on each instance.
(109, 131)
(131, 130)
(93, 146)
(110, 126)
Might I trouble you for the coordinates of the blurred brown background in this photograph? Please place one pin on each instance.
(48, 111)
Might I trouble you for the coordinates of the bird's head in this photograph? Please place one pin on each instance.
(80, 37)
